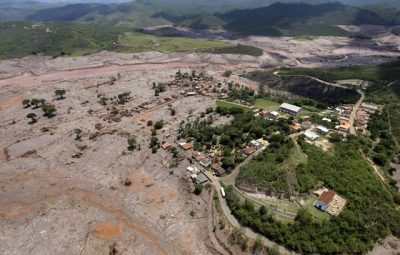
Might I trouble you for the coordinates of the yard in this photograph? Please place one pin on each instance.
(266, 104)
(227, 104)
(308, 204)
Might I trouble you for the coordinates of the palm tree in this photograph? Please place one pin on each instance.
(26, 103)
(31, 116)
(78, 133)
(60, 93)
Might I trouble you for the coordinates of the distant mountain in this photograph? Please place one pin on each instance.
(275, 19)
(19, 9)
(300, 19)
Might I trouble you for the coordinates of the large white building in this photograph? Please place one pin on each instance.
(289, 108)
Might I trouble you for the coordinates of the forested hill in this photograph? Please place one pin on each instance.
(299, 18)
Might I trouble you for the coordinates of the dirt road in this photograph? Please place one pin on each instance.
(354, 112)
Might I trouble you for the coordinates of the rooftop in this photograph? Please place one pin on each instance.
(311, 135)
(323, 129)
(249, 150)
(290, 107)
(327, 197)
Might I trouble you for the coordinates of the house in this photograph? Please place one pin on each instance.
(263, 113)
(199, 178)
(202, 159)
(344, 124)
(255, 144)
(324, 200)
(166, 146)
(369, 107)
(310, 135)
(186, 146)
(296, 127)
(249, 150)
(329, 201)
(306, 125)
(219, 170)
(322, 130)
(326, 120)
(274, 114)
(289, 108)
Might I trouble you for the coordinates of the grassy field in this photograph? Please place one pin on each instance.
(226, 104)
(237, 49)
(135, 42)
(306, 38)
(266, 104)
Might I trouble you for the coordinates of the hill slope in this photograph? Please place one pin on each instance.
(299, 19)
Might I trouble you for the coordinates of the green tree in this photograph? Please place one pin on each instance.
(48, 110)
(173, 112)
(35, 103)
(78, 133)
(198, 188)
(132, 143)
(60, 93)
(103, 100)
(159, 124)
(153, 141)
(31, 116)
(26, 103)
(42, 101)
(227, 73)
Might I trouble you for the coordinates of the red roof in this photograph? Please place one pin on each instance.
(249, 150)
(186, 146)
(327, 197)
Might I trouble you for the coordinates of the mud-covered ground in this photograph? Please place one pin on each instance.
(59, 195)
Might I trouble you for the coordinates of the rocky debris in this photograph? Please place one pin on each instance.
(77, 155)
(99, 126)
(127, 182)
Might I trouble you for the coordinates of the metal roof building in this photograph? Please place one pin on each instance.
(311, 135)
(289, 108)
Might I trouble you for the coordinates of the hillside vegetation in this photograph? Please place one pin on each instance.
(385, 78)
(74, 39)
(369, 215)
(55, 39)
